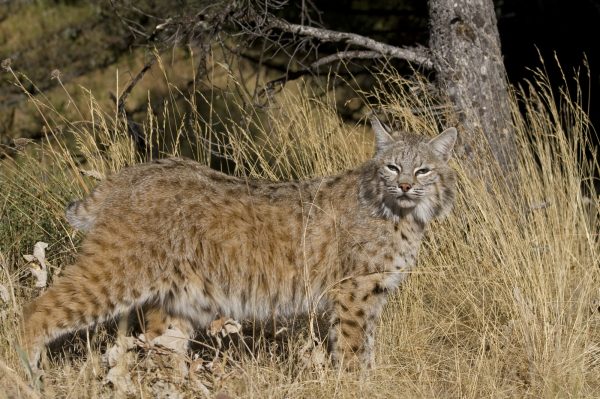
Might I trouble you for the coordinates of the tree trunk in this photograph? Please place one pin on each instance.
(465, 47)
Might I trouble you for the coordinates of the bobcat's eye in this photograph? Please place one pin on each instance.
(393, 168)
(422, 171)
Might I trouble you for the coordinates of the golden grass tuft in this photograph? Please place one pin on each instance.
(504, 302)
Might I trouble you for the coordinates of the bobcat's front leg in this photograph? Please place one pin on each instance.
(357, 304)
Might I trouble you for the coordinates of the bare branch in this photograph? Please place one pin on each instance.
(131, 85)
(132, 128)
(415, 55)
(344, 55)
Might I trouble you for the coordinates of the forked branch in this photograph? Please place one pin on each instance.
(415, 54)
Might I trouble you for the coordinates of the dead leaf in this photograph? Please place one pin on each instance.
(224, 327)
(40, 274)
(219, 329)
(39, 251)
(37, 264)
(121, 381)
(173, 338)
(116, 352)
(4, 295)
(119, 358)
(313, 354)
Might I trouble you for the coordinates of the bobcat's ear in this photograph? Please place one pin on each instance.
(382, 137)
(443, 143)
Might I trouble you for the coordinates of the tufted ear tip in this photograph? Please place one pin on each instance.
(443, 143)
(382, 137)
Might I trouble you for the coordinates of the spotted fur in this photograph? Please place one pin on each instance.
(189, 244)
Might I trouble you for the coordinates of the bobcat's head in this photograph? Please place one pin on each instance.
(412, 174)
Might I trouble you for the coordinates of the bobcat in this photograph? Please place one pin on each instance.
(189, 244)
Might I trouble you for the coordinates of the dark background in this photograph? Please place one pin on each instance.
(569, 29)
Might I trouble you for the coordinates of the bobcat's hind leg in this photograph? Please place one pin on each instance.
(168, 331)
(165, 329)
(84, 295)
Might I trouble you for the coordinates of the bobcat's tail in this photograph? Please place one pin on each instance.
(79, 216)
(82, 214)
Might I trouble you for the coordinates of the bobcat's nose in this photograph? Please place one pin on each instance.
(404, 187)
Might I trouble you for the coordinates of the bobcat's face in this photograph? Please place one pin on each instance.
(413, 172)
(408, 174)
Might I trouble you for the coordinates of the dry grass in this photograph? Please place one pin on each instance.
(504, 302)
